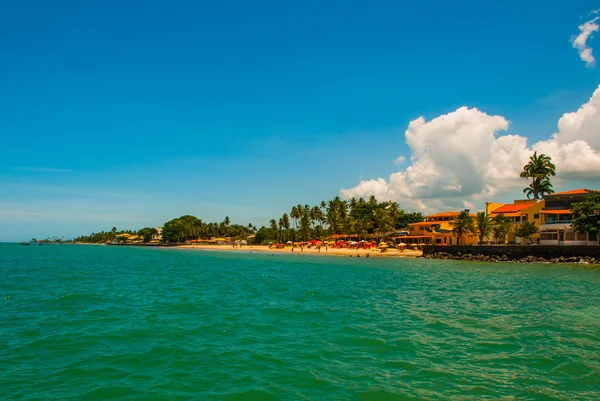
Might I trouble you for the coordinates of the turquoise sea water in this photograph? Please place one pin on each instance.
(108, 323)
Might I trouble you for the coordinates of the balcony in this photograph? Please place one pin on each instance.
(558, 221)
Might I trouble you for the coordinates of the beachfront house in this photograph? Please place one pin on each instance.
(437, 229)
(557, 218)
(520, 211)
(157, 237)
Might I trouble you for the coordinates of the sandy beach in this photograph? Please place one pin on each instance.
(390, 253)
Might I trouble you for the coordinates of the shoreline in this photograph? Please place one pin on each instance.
(390, 253)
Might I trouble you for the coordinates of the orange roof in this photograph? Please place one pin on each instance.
(512, 208)
(579, 191)
(445, 214)
(425, 223)
(516, 214)
(558, 211)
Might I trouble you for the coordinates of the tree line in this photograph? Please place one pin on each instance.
(360, 217)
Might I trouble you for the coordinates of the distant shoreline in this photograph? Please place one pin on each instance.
(349, 252)
(390, 253)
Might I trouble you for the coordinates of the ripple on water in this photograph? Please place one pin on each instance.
(99, 323)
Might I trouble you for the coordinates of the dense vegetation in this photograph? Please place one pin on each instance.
(364, 218)
(189, 227)
(104, 236)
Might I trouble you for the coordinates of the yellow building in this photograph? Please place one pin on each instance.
(520, 211)
(437, 229)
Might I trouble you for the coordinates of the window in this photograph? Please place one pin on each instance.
(517, 219)
(536, 216)
(524, 219)
(593, 236)
(548, 235)
(411, 228)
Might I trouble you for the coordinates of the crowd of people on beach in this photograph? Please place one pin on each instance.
(316, 244)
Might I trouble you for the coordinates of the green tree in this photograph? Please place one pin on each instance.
(182, 228)
(275, 228)
(305, 222)
(404, 219)
(383, 222)
(485, 226)
(147, 233)
(526, 230)
(463, 224)
(265, 235)
(502, 226)
(539, 169)
(587, 214)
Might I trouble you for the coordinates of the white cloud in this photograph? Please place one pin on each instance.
(460, 157)
(580, 41)
(400, 160)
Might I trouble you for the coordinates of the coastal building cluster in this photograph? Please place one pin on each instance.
(552, 216)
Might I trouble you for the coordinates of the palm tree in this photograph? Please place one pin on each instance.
(281, 225)
(394, 210)
(285, 223)
(539, 169)
(293, 214)
(544, 187)
(363, 225)
(462, 225)
(501, 227)
(316, 215)
(484, 226)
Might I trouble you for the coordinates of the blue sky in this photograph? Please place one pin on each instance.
(130, 113)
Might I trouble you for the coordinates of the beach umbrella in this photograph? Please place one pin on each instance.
(289, 242)
(353, 243)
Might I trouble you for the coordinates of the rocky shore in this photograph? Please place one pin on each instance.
(504, 258)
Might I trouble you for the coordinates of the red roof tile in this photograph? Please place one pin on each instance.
(445, 214)
(579, 191)
(512, 208)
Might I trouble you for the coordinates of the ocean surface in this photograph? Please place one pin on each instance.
(110, 323)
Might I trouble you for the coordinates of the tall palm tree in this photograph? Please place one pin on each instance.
(544, 187)
(316, 215)
(484, 226)
(462, 225)
(539, 169)
(281, 226)
(285, 223)
(293, 215)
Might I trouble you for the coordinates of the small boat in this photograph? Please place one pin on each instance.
(24, 243)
